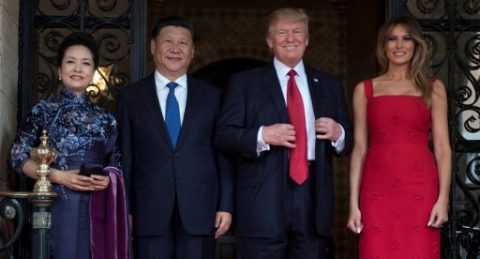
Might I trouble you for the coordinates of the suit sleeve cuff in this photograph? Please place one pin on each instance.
(339, 144)
(261, 145)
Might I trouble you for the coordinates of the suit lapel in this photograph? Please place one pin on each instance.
(271, 84)
(193, 97)
(316, 94)
(152, 106)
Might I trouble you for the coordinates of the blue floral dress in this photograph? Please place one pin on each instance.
(82, 133)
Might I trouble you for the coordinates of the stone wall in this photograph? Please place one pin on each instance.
(9, 15)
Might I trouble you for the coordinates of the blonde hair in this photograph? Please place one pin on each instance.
(418, 70)
(296, 14)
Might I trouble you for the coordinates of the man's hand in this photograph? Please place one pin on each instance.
(327, 128)
(280, 134)
(223, 221)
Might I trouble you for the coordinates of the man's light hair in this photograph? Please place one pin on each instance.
(288, 13)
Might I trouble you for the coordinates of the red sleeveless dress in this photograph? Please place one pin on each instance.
(399, 183)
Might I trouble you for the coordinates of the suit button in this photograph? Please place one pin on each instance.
(172, 179)
(175, 154)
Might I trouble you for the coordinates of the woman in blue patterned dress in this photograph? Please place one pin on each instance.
(83, 134)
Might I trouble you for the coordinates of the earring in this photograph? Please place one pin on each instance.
(59, 78)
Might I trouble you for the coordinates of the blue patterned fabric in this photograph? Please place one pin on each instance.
(82, 133)
(172, 114)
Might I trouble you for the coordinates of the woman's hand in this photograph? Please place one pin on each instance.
(355, 221)
(439, 214)
(71, 179)
(99, 182)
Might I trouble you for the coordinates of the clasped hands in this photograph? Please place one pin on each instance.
(73, 181)
(283, 134)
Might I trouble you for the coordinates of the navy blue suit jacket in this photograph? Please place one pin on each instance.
(254, 98)
(194, 173)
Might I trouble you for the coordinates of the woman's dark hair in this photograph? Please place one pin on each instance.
(173, 20)
(78, 39)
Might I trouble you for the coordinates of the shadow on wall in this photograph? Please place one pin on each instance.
(218, 73)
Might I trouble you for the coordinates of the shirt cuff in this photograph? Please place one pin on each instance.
(261, 145)
(339, 144)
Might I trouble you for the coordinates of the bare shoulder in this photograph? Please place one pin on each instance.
(359, 85)
(437, 83)
(359, 94)
(438, 88)
(359, 88)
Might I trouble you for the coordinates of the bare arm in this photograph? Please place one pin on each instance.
(442, 152)
(358, 156)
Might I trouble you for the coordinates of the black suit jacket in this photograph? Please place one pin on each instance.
(194, 173)
(254, 98)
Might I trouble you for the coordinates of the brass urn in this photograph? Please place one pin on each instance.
(43, 155)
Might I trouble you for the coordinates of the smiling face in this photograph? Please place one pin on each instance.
(77, 69)
(173, 51)
(399, 46)
(288, 39)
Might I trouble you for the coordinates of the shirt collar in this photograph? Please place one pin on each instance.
(283, 69)
(163, 81)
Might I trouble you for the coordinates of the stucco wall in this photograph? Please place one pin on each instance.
(9, 11)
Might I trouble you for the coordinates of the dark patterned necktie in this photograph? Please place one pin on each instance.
(298, 156)
(172, 114)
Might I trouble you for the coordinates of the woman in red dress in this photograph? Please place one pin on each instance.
(399, 188)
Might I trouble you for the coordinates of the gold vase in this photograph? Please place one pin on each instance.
(43, 155)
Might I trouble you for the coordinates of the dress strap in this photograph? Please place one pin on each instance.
(368, 88)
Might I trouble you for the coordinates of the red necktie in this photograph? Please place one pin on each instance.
(298, 156)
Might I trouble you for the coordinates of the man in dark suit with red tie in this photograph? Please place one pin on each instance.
(284, 122)
(180, 188)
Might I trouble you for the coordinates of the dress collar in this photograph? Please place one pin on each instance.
(68, 96)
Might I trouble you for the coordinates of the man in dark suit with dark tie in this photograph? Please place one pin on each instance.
(180, 188)
(284, 122)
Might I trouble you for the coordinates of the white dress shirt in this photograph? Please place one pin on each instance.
(302, 83)
(180, 92)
